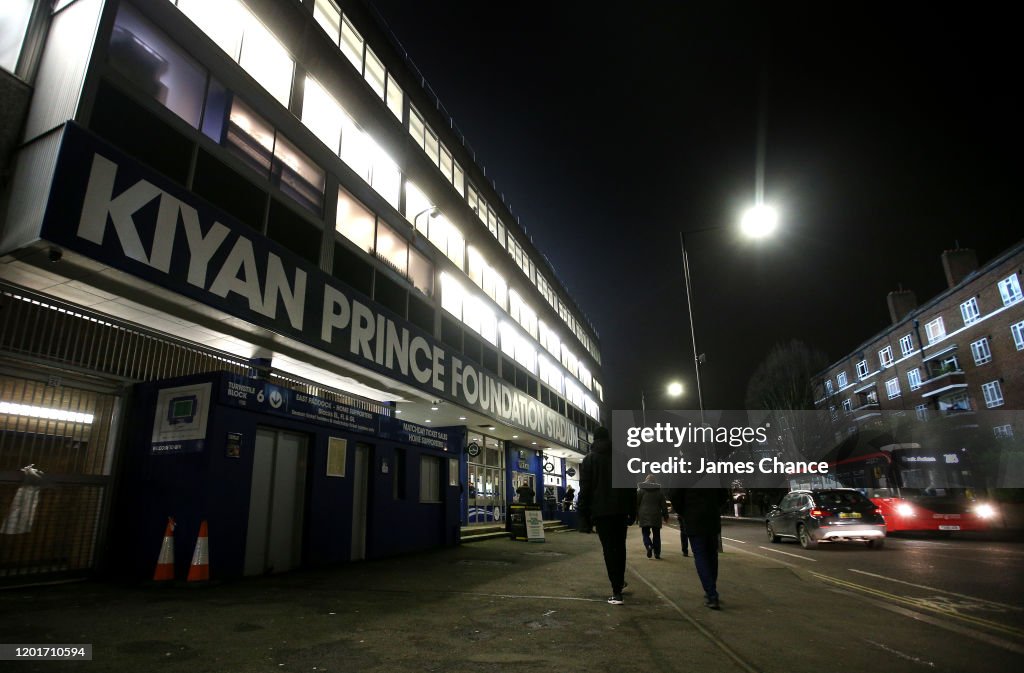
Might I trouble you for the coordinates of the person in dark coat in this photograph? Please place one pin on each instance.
(525, 493)
(612, 510)
(651, 510)
(700, 511)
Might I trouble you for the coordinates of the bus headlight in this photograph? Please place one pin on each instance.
(903, 509)
(985, 511)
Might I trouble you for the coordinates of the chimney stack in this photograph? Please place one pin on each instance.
(958, 264)
(901, 303)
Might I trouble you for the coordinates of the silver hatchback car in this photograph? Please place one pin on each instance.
(826, 515)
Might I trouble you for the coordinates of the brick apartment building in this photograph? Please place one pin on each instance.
(960, 353)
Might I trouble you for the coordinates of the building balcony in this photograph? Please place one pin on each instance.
(943, 384)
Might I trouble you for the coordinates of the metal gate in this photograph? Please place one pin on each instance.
(56, 455)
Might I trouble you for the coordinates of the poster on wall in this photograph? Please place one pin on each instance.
(179, 422)
(337, 454)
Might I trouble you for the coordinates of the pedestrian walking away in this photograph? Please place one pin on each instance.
(700, 511)
(651, 511)
(612, 510)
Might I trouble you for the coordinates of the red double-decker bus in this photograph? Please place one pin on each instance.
(917, 489)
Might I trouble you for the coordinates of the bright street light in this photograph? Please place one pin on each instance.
(675, 389)
(759, 221)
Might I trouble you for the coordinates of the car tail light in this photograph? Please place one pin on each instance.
(878, 511)
(818, 513)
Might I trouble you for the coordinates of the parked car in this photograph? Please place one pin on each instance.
(826, 515)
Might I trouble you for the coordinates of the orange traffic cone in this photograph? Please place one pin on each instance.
(200, 569)
(165, 562)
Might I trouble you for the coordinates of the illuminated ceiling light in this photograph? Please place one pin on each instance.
(462, 418)
(515, 436)
(44, 412)
(534, 443)
(434, 408)
(491, 428)
(398, 411)
(427, 421)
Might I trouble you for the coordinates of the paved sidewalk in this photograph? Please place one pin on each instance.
(496, 606)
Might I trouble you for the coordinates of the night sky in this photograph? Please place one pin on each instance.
(889, 136)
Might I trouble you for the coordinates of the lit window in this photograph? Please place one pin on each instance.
(375, 74)
(250, 138)
(526, 355)
(386, 179)
(266, 60)
(458, 178)
(297, 176)
(970, 311)
(452, 295)
(392, 248)
(489, 325)
(456, 247)
(417, 208)
(222, 21)
(906, 345)
(892, 387)
(446, 163)
(329, 17)
(416, 127)
(914, 378)
(982, 353)
(421, 272)
(355, 221)
(475, 266)
(993, 393)
(862, 369)
(395, 98)
(847, 405)
(935, 330)
(158, 67)
(841, 379)
(430, 145)
(508, 338)
(351, 44)
(322, 115)
(828, 387)
(885, 357)
(922, 412)
(356, 148)
(1009, 290)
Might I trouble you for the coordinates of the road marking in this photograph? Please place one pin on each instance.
(902, 655)
(733, 540)
(915, 603)
(718, 642)
(941, 591)
(779, 551)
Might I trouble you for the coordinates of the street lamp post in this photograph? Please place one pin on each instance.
(758, 222)
(673, 389)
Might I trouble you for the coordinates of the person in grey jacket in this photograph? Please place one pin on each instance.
(651, 511)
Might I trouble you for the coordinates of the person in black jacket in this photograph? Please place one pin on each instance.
(700, 511)
(612, 510)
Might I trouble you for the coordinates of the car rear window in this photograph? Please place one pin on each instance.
(826, 498)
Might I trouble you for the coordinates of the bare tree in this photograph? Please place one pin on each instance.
(784, 380)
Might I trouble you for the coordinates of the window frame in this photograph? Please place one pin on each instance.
(970, 311)
(993, 394)
(981, 351)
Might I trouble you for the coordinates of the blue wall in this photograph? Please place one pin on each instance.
(210, 485)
